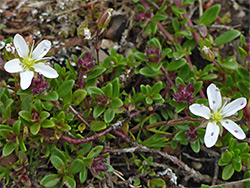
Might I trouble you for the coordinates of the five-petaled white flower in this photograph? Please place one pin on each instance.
(30, 61)
(218, 115)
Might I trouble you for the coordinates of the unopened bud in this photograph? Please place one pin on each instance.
(105, 18)
(207, 53)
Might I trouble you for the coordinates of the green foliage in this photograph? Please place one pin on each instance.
(233, 157)
(69, 127)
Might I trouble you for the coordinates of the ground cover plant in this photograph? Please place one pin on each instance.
(128, 93)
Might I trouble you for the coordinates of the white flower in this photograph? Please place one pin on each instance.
(218, 115)
(87, 34)
(30, 61)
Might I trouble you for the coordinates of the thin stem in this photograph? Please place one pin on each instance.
(167, 76)
(94, 137)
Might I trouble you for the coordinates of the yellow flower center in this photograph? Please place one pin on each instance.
(28, 62)
(216, 116)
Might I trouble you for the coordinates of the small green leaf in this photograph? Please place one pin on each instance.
(195, 145)
(98, 125)
(65, 88)
(78, 96)
(147, 71)
(16, 127)
(227, 172)
(95, 152)
(176, 64)
(109, 115)
(210, 15)
(50, 180)
(76, 166)
(98, 111)
(246, 176)
(227, 37)
(35, 128)
(47, 124)
(226, 156)
(51, 96)
(159, 17)
(83, 174)
(94, 91)
(108, 90)
(25, 115)
(9, 148)
(116, 103)
(140, 56)
(57, 162)
(69, 181)
(95, 72)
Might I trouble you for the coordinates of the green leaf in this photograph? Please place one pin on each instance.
(25, 115)
(83, 174)
(65, 88)
(69, 181)
(209, 77)
(108, 90)
(157, 182)
(95, 72)
(95, 152)
(98, 111)
(159, 17)
(78, 96)
(94, 91)
(16, 127)
(116, 87)
(236, 162)
(9, 148)
(148, 72)
(195, 145)
(98, 125)
(57, 162)
(227, 172)
(176, 64)
(210, 15)
(50, 180)
(226, 157)
(109, 115)
(47, 124)
(176, 24)
(51, 96)
(76, 166)
(227, 37)
(35, 128)
(148, 100)
(246, 176)
(116, 103)
(140, 56)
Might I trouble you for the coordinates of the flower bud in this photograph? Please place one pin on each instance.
(207, 53)
(184, 94)
(154, 54)
(105, 18)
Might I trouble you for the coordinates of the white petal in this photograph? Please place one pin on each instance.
(233, 128)
(211, 135)
(214, 97)
(21, 46)
(26, 78)
(200, 110)
(13, 66)
(41, 50)
(233, 107)
(45, 70)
